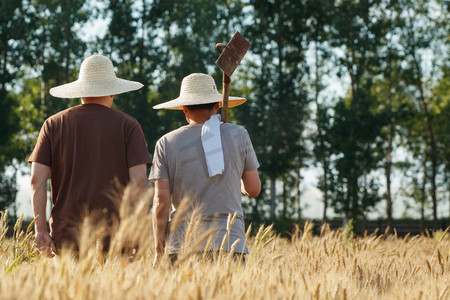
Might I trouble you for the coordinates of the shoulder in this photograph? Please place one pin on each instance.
(62, 113)
(58, 116)
(124, 120)
(98, 108)
(179, 136)
(234, 130)
(178, 133)
(233, 127)
(122, 115)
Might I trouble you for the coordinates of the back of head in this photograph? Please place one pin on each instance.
(207, 106)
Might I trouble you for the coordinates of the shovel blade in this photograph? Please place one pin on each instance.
(230, 58)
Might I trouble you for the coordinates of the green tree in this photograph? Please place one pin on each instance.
(389, 89)
(323, 152)
(55, 48)
(358, 159)
(13, 29)
(158, 43)
(190, 31)
(441, 107)
(40, 42)
(390, 66)
(318, 33)
(277, 115)
(423, 32)
(357, 33)
(131, 43)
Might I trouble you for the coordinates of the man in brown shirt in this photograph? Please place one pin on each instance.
(89, 150)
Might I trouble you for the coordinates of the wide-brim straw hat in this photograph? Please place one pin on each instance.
(96, 79)
(196, 89)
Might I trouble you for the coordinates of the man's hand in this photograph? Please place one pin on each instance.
(39, 176)
(156, 260)
(44, 244)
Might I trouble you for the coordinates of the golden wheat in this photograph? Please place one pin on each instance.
(334, 265)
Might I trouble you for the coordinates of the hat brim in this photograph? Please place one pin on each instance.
(80, 88)
(198, 99)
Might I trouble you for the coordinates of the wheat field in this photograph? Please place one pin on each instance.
(332, 265)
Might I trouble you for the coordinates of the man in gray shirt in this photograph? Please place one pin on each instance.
(207, 163)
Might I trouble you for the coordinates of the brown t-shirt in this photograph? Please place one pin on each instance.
(89, 149)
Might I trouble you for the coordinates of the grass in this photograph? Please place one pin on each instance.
(334, 265)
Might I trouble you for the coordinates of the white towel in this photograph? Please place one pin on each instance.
(212, 145)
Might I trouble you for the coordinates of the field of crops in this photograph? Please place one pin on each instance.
(334, 265)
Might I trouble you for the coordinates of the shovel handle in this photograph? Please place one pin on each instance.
(226, 87)
(225, 93)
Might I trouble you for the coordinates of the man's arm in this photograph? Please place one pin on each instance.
(250, 183)
(161, 211)
(138, 178)
(39, 175)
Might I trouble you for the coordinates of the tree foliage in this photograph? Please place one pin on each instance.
(391, 58)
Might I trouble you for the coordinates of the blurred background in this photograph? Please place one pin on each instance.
(348, 101)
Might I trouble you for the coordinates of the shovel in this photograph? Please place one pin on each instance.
(228, 61)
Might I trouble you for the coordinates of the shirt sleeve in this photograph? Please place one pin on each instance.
(159, 168)
(137, 152)
(250, 161)
(42, 152)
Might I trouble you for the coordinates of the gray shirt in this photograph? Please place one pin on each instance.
(179, 157)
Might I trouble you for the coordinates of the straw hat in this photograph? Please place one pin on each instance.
(196, 89)
(96, 79)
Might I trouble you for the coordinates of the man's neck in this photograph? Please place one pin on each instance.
(106, 100)
(200, 117)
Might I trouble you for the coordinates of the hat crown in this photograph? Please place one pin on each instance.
(196, 89)
(96, 79)
(198, 83)
(96, 68)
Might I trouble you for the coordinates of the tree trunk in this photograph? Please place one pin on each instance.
(353, 180)
(325, 187)
(272, 199)
(67, 58)
(320, 135)
(4, 70)
(43, 108)
(352, 184)
(14, 193)
(389, 159)
(432, 141)
(423, 199)
(433, 170)
(284, 198)
(141, 43)
(298, 191)
(67, 34)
